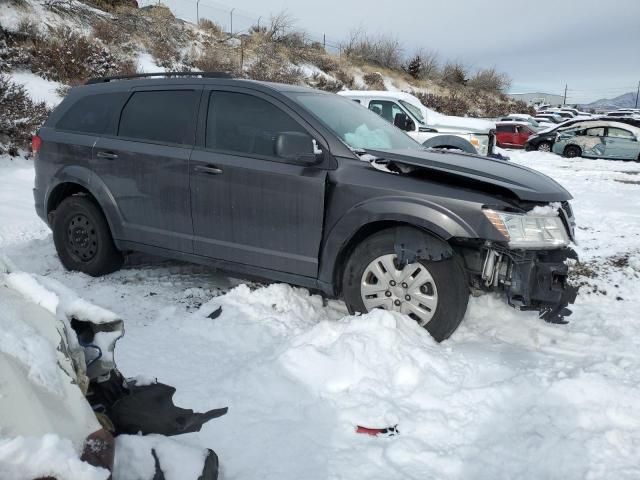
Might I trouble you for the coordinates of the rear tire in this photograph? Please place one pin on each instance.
(83, 239)
(447, 283)
(572, 151)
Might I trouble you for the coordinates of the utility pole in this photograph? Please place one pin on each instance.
(198, 12)
(231, 15)
(564, 102)
(637, 94)
(324, 41)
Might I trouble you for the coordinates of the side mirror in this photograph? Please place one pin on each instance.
(296, 147)
(403, 122)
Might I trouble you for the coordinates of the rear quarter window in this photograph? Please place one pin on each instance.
(166, 116)
(92, 114)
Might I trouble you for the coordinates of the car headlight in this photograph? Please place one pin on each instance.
(529, 230)
(481, 143)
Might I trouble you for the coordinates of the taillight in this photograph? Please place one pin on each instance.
(36, 143)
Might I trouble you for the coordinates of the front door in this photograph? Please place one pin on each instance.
(146, 166)
(248, 205)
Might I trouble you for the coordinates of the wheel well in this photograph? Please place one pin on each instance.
(572, 146)
(65, 190)
(364, 232)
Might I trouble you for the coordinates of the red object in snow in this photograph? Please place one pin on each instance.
(374, 432)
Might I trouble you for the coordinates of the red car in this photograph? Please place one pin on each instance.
(512, 134)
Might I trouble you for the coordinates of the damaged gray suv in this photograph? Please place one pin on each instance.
(295, 185)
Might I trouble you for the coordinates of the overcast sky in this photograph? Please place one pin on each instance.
(592, 45)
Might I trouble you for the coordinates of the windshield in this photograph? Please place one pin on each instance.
(415, 111)
(356, 126)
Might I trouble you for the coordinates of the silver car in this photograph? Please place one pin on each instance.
(599, 139)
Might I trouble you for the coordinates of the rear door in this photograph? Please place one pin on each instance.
(248, 205)
(504, 134)
(145, 165)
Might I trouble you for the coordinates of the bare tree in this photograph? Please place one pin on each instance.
(430, 63)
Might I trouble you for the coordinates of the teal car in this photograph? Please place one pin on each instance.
(599, 139)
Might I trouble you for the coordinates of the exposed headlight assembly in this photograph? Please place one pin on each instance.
(481, 143)
(529, 230)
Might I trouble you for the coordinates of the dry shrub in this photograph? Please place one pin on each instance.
(325, 83)
(346, 78)
(272, 65)
(20, 118)
(374, 81)
(14, 51)
(110, 32)
(380, 50)
(215, 58)
(211, 27)
(454, 73)
(66, 56)
(489, 79)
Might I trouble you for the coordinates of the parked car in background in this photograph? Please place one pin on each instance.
(549, 117)
(297, 185)
(599, 139)
(513, 134)
(521, 117)
(426, 126)
(543, 140)
(566, 115)
(624, 113)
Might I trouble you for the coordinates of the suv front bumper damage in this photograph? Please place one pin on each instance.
(533, 280)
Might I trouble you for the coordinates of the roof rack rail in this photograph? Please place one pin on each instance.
(92, 81)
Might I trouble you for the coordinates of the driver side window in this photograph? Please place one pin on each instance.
(387, 110)
(248, 125)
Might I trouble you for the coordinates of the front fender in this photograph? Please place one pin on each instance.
(422, 214)
(96, 187)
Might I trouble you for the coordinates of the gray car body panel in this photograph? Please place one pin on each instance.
(445, 198)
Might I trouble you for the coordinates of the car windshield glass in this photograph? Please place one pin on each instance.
(357, 126)
(415, 111)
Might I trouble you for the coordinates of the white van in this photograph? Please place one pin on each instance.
(427, 126)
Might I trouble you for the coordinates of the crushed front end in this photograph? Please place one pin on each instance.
(531, 265)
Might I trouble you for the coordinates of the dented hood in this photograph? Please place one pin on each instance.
(525, 183)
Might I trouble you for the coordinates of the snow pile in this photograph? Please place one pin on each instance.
(38, 89)
(508, 396)
(550, 210)
(48, 456)
(22, 342)
(133, 458)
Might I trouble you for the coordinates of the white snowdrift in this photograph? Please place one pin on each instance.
(508, 396)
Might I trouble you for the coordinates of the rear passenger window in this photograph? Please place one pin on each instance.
(166, 116)
(505, 128)
(242, 123)
(91, 114)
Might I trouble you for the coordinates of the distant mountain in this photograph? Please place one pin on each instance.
(626, 100)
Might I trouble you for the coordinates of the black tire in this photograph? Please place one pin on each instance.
(83, 239)
(572, 151)
(544, 147)
(448, 275)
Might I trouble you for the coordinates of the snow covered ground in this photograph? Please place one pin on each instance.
(508, 396)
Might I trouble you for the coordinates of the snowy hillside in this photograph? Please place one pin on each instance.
(46, 46)
(508, 396)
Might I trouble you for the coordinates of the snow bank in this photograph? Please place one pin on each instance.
(508, 396)
(133, 458)
(38, 89)
(26, 458)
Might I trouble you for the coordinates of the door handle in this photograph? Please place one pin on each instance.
(107, 155)
(207, 170)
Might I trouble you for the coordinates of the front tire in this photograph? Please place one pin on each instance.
(83, 239)
(544, 147)
(434, 293)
